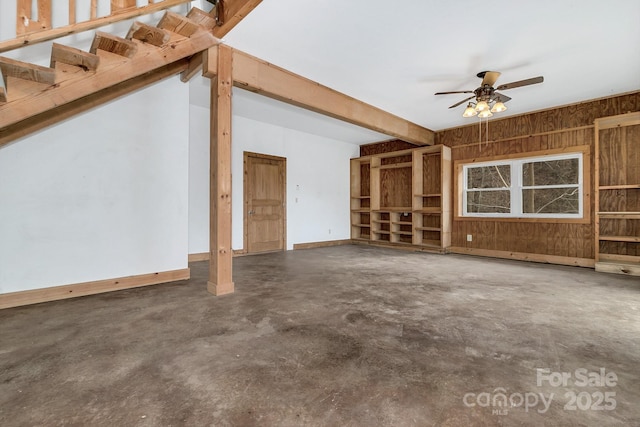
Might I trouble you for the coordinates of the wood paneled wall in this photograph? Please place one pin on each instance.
(557, 128)
(568, 126)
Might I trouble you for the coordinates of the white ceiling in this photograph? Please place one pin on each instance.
(395, 54)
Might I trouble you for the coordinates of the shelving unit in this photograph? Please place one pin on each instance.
(409, 198)
(617, 196)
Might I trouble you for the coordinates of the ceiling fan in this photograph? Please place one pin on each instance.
(487, 99)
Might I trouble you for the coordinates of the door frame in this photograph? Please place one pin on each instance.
(245, 202)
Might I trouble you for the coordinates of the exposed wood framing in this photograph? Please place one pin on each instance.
(148, 34)
(81, 105)
(234, 11)
(195, 66)
(72, 56)
(119, 6)
(110, 43)
(26, 71)
(221, 254)
(202, 18)
(178, 24)
(73, 28)
(267, 79)
(113, 70)
(24, 22)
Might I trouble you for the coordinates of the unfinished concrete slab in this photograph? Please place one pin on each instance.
(348, 336)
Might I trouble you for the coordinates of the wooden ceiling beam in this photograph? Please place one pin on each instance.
(261, 77)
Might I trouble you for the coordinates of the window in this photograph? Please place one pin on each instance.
(532, 187)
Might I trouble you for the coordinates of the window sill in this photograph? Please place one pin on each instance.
(586, 220)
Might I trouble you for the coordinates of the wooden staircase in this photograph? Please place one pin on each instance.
(32, 96)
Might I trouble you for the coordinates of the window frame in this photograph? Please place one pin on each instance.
(516, 162)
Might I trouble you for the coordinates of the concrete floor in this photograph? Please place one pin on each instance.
(342, 336)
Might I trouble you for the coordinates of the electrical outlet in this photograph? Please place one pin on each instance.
(469, 238)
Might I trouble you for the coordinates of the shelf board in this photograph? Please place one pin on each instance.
(361, 197)
(394, 209)
(428, 195)
(428, 211)
(381, 221)
(363, 210)
(402, 222)
(428, 229)
(397, 165)
(361, 225)
(632, 239)
(619, 187)
(403, 233)
(380, 232)
(620, 215)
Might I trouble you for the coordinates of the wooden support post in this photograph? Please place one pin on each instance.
(220, 252)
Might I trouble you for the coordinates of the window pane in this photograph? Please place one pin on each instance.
(489, 201)
(496, 176)
(551, 172)
(551, 200)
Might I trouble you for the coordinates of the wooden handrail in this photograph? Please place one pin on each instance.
(72, 28)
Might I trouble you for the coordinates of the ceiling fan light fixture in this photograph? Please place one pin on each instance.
(485, 114)
(482, 106)
(469, 111)
(499, 107)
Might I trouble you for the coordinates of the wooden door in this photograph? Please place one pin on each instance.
(264, 203)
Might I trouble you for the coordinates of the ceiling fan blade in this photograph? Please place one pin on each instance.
(462, 102)
(526, 82)
(500, 97)
(490, 78)
(455, 91)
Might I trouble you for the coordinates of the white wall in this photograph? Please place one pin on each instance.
(317, 180)
(100, 196)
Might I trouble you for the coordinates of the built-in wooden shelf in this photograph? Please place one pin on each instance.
(394, 209)
(429, 211)
(361, 210)
(428, 229)
(632, 239)
(419, 194)
(619, 215)
(396, 165)
(620, 187)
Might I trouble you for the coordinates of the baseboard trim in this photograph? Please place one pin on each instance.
(327, 243)
(35, 296)
(523, 256)
(203, 256)
(400, 246)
